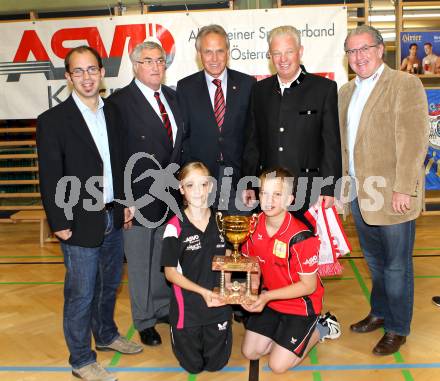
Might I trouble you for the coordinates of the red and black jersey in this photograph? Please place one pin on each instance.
(191, 251)
(283, 258)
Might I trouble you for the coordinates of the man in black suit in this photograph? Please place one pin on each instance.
(151, 124)
(215, 104)
(80, 175)
(294, 124)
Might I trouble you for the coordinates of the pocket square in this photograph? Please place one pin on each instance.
(307, 112)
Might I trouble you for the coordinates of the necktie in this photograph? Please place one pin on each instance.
(164, 114)
(219, 103)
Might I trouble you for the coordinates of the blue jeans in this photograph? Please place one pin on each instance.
(388, 252)
(92, 278)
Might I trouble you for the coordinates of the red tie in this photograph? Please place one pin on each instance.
(164, 114)
(219, 103)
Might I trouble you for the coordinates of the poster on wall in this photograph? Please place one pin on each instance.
(420, 52)
(432, 161)
(32, 53)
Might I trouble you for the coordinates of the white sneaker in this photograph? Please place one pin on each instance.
(94, 372)
(330, 321)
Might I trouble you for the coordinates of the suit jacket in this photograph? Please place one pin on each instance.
(143, 131)
(298, 130)
(66, 148)
(203, 140)
(391, 142)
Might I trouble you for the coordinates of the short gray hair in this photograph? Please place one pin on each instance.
(135, 54)
(284, 30)
(213, 28)
(361, 29)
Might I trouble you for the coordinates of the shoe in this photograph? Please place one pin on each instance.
(330, 321)
(436, 300)
(164, 320)
(150, 336)
(369, 324)
(389, 344)
(94, 372)
(121, 345)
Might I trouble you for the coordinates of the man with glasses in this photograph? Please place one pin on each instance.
(294, 124)
(384, 134)
(150, 123)
(79, 146)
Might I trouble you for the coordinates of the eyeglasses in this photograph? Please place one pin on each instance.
(91, 70)
(150, 62)
(364, 50)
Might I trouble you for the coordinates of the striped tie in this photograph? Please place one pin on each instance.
(219, 103)
(164, 114)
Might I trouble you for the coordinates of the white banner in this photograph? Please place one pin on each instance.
(32, 53)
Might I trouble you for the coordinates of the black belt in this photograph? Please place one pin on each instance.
(109, 206)
(310, 170)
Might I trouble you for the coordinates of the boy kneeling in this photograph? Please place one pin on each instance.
(286, 322)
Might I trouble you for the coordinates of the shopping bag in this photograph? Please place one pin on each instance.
(334, 242)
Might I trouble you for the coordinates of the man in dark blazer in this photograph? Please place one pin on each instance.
(294, 123)
(217, 143)
(80, 177)
(150, 124)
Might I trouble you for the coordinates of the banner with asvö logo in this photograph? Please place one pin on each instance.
(31, 59)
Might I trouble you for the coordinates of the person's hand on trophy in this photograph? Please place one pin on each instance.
(213, 299)
(258, 305)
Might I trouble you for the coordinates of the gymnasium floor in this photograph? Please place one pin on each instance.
(32, 346)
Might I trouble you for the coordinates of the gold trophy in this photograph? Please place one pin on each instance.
(236, 229)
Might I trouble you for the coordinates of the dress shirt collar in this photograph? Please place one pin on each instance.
(83, 107)
(288, 84)
(298, 78)
(222, 77)
(147, 91)
(372, 79)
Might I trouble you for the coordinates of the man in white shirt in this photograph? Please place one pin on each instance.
(79, 140)
(384, 136)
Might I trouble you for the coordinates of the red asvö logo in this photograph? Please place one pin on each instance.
(31, 45)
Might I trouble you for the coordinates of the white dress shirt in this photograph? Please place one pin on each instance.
(149, 95)
(98, 128)
(362, 92)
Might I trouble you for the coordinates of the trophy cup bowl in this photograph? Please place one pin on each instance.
(236, 229)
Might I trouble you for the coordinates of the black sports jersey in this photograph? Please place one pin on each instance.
(191, 251)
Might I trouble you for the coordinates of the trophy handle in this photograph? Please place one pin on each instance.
(219, 222)
(253, 223)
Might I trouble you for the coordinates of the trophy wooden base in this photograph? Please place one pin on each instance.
(236, 294)
(223, 263)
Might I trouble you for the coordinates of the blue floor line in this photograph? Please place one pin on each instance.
(302, 368)
(42, 369)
